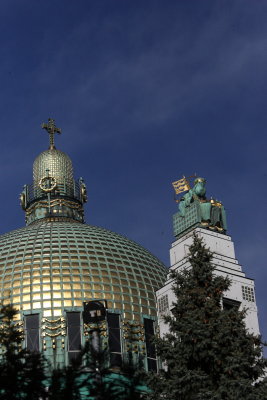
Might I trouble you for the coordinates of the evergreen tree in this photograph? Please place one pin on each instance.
(22, 373)
(208, 354)
(89, 377)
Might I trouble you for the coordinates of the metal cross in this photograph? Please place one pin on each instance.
(51, 129)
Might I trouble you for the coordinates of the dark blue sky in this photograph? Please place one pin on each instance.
(144, 91)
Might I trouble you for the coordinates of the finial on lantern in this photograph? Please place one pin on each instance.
(51, 129)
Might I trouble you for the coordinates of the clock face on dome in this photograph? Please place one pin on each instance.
(47, 183)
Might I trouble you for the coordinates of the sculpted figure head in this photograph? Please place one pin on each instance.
(199, 187)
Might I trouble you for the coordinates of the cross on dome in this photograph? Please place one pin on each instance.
(51, 129)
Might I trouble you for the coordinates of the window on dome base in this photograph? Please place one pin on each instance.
(74, 334)
(150, 347)
(114, 340)
(32, 332)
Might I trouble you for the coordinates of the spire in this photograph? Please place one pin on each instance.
(51, 129)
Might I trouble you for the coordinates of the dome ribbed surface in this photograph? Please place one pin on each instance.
(56, 266)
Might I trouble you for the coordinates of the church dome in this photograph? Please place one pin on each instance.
(57, 267)
(52, 266)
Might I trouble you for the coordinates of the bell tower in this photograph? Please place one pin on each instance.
(207, 218)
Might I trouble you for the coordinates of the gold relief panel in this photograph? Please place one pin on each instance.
(36, 280)
(126, 298)
(87, 286)
(88, 294)
(16, 291)
(36, 273)
(47, 313)
(26, 274)
(127, 306)
(144, 302)
(77, 286)
(67, 295)
(36, 296)
(57, 312)
(56, 304)
(108, 296)
(78, 303)
(142, 293)
(118, 305)
(47, 296)
(47, 304)
(36, 304)
(136, 308)
(116, 289)
(26, 306)
(110, 304)
(56, 286)
(66, 278)
(106, 279)
(98, 295)
(26, 297)
(36, 288)
(97, 287)
(107, 288)
(145, 310)
(77, 294)
(76, 271)
(117, 296)
(66, 286)
(76, 279)
(134, 291)
(136, 317)
(26, 289)
(127, 315)
(67, 303)
(56, 295)
(56, 278)
(135, 299)
(16, 299)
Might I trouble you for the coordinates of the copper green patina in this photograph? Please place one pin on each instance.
(196, 210)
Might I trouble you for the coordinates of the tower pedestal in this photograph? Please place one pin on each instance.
(241, 291)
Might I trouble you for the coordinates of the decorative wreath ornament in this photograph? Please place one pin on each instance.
(23, 202)
(47, 183)
(83, 193)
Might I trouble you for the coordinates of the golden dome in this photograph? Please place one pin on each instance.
(53, 267)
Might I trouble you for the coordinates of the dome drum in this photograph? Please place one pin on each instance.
(62, 201)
